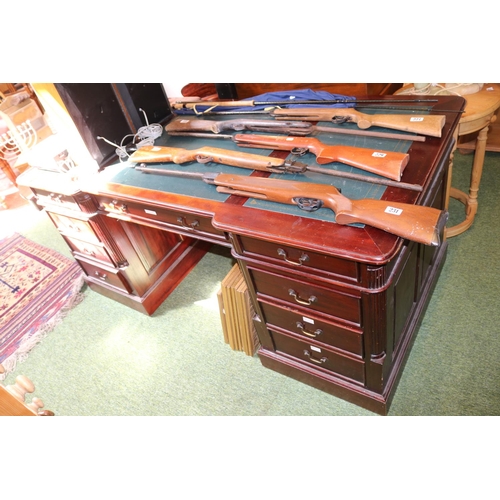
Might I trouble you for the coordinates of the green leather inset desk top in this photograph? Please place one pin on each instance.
(192, 187)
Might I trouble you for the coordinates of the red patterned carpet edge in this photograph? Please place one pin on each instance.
(38, 286)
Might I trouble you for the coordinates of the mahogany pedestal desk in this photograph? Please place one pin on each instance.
(337, 307)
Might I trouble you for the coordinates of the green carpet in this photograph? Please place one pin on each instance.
(106, 359)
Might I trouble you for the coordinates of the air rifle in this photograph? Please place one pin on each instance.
(163, 154)
(197, 127)
(414, 222)
(385, 163)
(431, 125)
(250, 103)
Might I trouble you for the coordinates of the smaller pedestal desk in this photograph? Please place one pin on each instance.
(337, 307)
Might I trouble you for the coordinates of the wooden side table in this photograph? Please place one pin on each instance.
(480, 113)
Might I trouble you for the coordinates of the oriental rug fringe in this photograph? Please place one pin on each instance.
(37, 288)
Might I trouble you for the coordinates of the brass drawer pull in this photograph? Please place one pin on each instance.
(101, 276)
(307, 302)
(119, 207)
(304, 258)
(314, 360)
(303, 330)
(56, 197)
(182, 221)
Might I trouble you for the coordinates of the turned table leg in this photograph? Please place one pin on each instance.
(470, 200)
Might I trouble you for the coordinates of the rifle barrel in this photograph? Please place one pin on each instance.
(210, 112)
(364, 178)
(208, 177)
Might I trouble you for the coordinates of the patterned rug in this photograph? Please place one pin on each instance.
(37, 286)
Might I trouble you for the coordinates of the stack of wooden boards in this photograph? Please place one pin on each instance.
(236, 312)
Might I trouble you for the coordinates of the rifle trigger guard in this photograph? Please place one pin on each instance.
(340, 119)
(203, 159)
(308, 204)
(299, 151)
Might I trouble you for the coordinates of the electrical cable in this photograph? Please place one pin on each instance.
(145, 136)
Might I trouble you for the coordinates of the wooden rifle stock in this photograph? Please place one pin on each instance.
(385, 163)
(160, 154)
(431, 125)
(413, 222)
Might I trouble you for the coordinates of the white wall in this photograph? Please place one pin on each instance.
(173, 89)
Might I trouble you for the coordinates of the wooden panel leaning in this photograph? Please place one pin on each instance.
(237, 312)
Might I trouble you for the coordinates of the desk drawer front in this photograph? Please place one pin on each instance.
(303, 260)
(320, 357)
(307, 296)
(76, 227)
(309, 327)
(46, 198)
(191, 223)
(91, 250)
(105, 276)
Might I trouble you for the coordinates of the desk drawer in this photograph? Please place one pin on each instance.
(91, 250)
(307, 295)
(320, 357)
(189, 223)
(47, 198)
(82, 229)
(105, 275)
(310, 327)
(303, 260)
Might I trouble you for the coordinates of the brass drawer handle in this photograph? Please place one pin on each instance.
(101, 276)
(182, 221)
(303, 330)
(303, 258)
(307, 302)
(119, 207)
(56, 197)
(314, 360)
